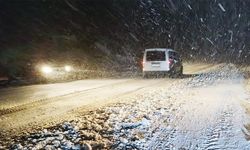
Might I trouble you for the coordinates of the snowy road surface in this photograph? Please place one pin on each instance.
(199, 112)
(205, 113)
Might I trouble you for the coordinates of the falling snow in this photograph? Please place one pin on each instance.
(221, 7)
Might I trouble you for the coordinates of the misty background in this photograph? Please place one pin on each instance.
(111, 34)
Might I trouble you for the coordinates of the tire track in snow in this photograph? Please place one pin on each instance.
(226, 134)
(165, 136)
(223, 132)
(216, 132)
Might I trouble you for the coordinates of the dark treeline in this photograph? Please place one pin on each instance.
(114, 32)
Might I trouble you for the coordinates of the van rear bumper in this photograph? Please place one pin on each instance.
(156, 72)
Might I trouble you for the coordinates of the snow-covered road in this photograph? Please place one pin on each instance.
(199, 112)
(205, 113)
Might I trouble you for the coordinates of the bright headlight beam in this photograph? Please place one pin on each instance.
(46, 69)
(67, 68)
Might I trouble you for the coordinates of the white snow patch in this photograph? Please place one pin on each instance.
(182, 117)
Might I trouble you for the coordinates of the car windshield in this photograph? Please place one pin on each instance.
(155, 56)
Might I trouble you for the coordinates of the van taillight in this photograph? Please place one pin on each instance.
(170, 61)
(143, 63)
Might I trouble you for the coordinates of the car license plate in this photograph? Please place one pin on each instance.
(155, 64)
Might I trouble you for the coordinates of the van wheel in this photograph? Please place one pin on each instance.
(144, 75)
(172, 73)
(181, 72)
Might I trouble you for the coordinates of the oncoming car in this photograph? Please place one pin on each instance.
(56, 72)
(161, 61)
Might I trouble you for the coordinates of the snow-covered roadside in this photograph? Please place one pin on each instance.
(197, 113)
(246, 104)
(87, 132)
(138, 123)
(204, 114)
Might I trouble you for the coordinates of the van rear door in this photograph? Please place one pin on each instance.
(155, 60)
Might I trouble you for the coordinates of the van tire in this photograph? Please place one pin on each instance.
(172, 73)
(181, 71)
(144, 75)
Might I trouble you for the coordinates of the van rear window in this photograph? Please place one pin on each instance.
(155, 56)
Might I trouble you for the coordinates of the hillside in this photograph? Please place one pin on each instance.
(111, 34)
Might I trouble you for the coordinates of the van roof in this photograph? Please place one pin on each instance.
(159, 49)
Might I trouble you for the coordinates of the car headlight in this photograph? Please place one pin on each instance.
(46, 69)
(67, 68)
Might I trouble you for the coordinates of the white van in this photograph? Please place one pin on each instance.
(161, 61)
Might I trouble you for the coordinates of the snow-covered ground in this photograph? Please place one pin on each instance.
(202, 112)
(205, 114)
